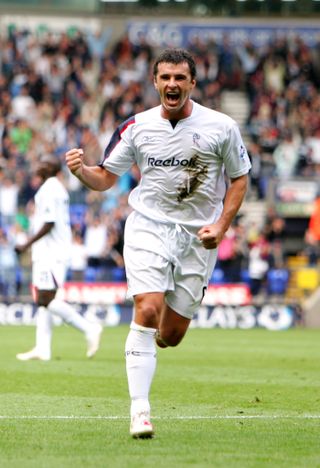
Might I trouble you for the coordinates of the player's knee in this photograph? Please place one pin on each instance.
(44, 298)
(150, 314)
(171, 337)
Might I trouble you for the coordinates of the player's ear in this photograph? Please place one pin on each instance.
(155, 83)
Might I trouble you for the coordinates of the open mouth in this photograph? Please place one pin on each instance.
(172, 97)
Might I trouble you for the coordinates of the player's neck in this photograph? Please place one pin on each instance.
(176, 115)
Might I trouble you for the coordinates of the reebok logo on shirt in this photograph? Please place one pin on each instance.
(172, 162)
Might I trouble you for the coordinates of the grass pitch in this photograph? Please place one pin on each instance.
(223, 398)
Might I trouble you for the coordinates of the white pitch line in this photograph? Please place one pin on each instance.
(110, 418)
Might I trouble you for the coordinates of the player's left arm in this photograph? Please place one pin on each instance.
(212, 234)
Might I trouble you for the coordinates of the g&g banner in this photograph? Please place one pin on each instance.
(181, 34)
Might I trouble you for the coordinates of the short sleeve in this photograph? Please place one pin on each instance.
(234, 153)
(119, 155)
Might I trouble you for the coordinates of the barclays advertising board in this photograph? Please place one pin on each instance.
(223, 306)
(174, 34)
(269, 316)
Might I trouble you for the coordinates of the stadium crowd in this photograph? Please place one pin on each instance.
(59, 91)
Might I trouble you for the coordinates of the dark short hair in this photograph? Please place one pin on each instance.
(175, 56)
(52, 162)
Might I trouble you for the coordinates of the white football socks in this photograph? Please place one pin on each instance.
(43, 332)
(141, 364)
(70, 315)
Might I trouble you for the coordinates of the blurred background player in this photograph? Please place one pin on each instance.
(184, 151)
(51, 247)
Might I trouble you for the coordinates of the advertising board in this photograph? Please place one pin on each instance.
(224, 306)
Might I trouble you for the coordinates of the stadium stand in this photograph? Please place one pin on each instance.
(59, 91)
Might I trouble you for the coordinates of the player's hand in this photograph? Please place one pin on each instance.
(74, 160)
(210, 236)
(19, 249)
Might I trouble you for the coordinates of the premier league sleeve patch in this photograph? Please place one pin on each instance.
(242, 152)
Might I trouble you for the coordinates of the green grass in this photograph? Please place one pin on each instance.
(223, 398)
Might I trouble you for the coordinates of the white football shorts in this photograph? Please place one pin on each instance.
(47, 276)
(167, 258)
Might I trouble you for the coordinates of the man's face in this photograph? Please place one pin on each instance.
(174, 84)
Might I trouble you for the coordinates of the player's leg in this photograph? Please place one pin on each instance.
(42, 348)
(92, 331)
(46, 280)
(149, 276)
(141, 360)
(44, 332)
(140, 344)
(67, 312)
(191, 273)
(172, 328)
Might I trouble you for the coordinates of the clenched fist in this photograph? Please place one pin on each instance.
(210, 236)
(74, 160)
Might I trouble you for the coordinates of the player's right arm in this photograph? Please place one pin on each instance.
(43, 231)
(93, 177)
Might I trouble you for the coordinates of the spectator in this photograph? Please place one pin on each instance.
(90, 142)
(314, 223)
(23, 105)
(8, 267)
(95, 240)
(112, 259)
(255, 155)
(275, 226)
(28, 189)
(311, 248)
(226, 255)
(79, 257)
(281, 80)
(313, 143)
(286, 156)
(249, 59)
(21, 135)
(258, 264)
(8, 200)
(274, 72)
(98, 42)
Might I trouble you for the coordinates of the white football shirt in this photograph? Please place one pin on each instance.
(52, 206)
(182, 167)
